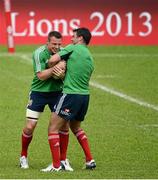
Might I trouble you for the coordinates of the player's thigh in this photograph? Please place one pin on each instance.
(67, 106)
(80, 116)
(34, 108)
(30, 125)
(52, 99)
(56, 123)
(37, 101)
(31, 120)
(75, 125)
(72, 106)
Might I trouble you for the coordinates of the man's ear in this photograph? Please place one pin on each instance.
(81, 38)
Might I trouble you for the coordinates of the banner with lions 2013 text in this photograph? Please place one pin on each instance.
(112, 22)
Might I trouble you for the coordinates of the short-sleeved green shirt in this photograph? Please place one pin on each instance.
(79, 69)
(40, 63)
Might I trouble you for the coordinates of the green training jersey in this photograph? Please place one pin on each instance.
(79, 69)
(40, 63)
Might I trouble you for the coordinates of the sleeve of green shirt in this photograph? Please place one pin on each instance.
(39, 64)
(66, 52)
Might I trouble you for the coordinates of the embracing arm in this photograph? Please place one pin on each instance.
(45, 74)
(58, 70)
(54, 60)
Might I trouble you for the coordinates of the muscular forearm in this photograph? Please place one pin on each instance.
(43, 75)
(53, 60)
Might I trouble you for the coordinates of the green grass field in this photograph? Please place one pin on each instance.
(122, 121)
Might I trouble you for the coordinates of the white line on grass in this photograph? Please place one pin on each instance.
(15, 54)
(97, 85)
(124, 96)
(25, 56)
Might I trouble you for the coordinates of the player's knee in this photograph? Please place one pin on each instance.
(75, 129)
(28, 130)
(65, 127)
(30, 126)
(75, 126)
(32, 115)
(53, 129)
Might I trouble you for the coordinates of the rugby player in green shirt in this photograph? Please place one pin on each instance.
(45, 91)
(72, 104)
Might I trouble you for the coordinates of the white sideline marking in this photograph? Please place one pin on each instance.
(97, 85)
(15, 54)
(124, 96)
(26, 58)
(21, 55)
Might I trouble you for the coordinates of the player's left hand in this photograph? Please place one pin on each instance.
(58, 72)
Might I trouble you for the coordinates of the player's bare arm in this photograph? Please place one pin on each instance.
(45, 74)
(54, 60)
(59, 70)
(58, 73)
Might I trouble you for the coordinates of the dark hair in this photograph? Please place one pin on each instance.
(55, 34)
(85, 33)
